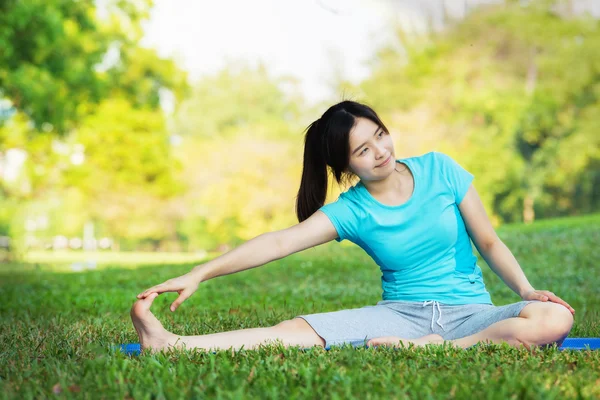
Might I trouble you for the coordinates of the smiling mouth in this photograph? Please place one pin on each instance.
(385, 162)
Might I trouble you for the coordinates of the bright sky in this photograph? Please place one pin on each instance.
(309, 39)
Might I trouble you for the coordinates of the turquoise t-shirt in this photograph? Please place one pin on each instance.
(421, 246)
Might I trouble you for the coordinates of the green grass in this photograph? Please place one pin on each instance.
(67, 261)
(57, 328)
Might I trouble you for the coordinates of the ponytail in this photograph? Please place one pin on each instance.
(313, 185)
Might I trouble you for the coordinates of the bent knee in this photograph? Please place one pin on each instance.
(564, 317)
(552, 321)
(556, 318)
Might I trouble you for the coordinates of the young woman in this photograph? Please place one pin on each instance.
(415, 217)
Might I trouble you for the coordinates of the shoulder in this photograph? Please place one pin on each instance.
(351, 202)
(431, 156)
(344, 199)
(432, 159)
(441, 164)
(442, 160)
(439, 156)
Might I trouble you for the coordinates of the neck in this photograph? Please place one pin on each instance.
(392, 184)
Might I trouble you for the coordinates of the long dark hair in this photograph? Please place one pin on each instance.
(327, 143)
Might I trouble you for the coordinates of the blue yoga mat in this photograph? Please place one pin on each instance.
(134, 349)
(582, 343)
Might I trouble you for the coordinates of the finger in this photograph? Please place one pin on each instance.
(542, 297)
(568, 307)
(558, 300)
(545, 295)
(156, 289)
(147, 292)
(555, 299)
(182, 297)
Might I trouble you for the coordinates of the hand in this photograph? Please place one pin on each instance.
(544, 295)
(185, 285)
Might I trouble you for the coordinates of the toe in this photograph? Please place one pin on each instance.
(143, 305)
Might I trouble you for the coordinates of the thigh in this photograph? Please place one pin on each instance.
(356, 326)
(485, 317)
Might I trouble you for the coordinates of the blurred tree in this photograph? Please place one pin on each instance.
(49, 58)
(243, 146)
(509, 92)
(129, 171)
(71, 69)
(59, 58)
(241, 97)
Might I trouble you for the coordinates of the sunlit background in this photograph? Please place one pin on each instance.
(176, 127)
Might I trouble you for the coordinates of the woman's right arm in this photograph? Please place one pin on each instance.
(267, 247)
(255, 252)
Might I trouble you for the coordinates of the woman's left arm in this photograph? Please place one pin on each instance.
(496, 253)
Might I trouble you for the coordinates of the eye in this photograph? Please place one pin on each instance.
(380, 134)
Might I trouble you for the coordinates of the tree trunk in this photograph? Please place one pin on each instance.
(528, 213)
(530, 84)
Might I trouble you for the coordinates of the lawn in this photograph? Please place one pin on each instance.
(57, 329)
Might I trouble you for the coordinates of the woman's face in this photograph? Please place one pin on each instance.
(370, 147)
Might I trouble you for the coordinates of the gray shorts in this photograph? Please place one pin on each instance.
(408, 320)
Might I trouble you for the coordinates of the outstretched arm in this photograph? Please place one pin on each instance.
(267, 247)
(496, 253)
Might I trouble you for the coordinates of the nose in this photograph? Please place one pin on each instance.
(381, 152)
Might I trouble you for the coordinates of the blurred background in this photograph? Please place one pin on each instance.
(177, 127)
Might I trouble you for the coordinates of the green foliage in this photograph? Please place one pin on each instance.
(241, 155)
(141, 74)
(82, 84)
(128, 172)
(60, 58)
(241, 99)
(515, 90)
(58, 330)
(511, 92)
(238, 188)
(49, 53)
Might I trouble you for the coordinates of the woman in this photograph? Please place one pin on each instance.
(415, 217)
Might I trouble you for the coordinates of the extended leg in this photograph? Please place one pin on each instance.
(152, 334)
(294, 332)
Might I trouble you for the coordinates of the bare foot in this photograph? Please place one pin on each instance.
(151, 332)
(396, 341)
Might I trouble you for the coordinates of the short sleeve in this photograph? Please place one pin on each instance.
(343, 217)
(458, 178)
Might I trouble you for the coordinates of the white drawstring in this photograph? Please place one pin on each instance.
(433, 304)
